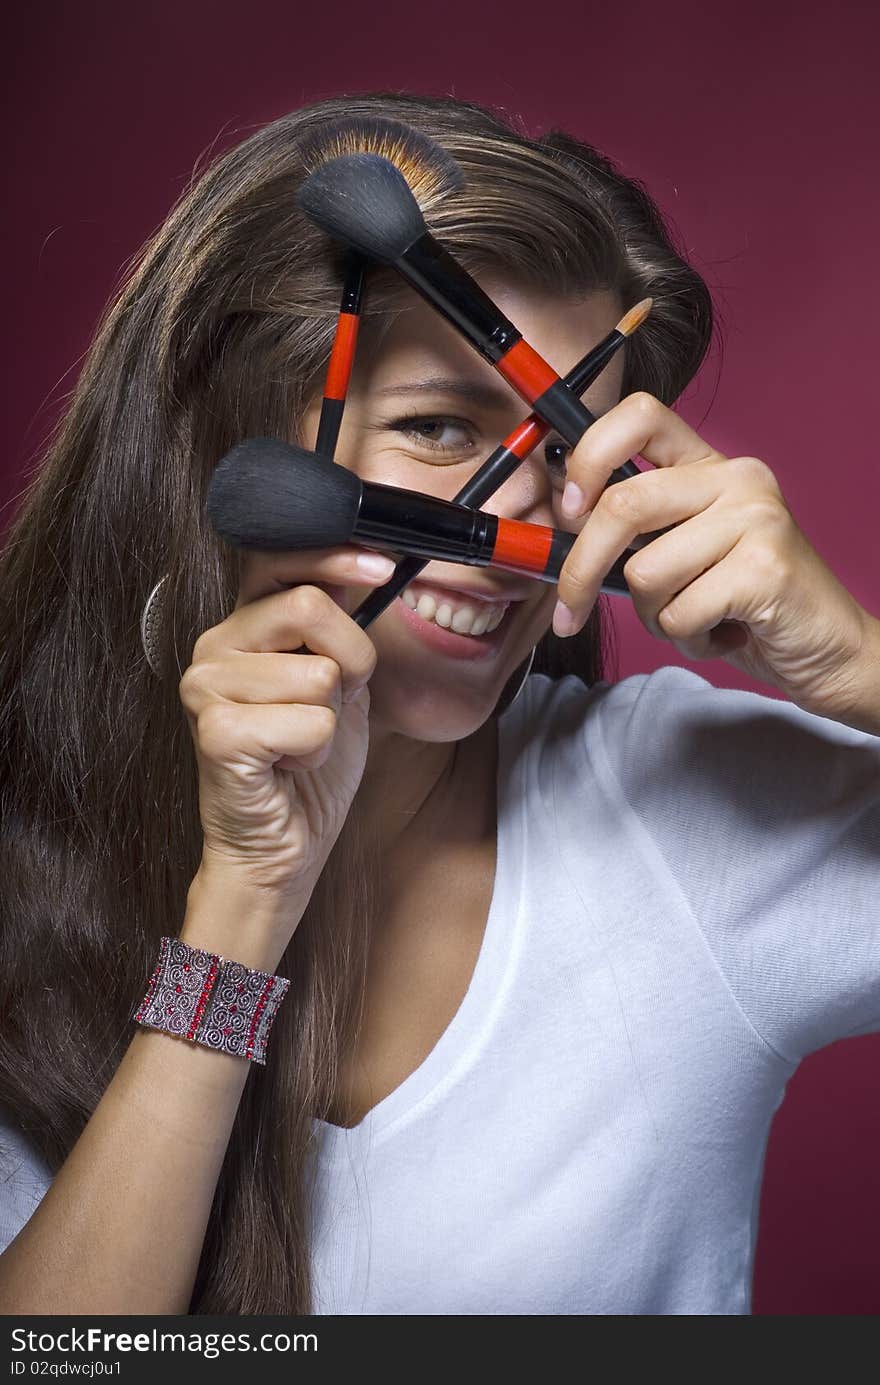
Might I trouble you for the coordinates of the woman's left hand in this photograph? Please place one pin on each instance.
(735, 578)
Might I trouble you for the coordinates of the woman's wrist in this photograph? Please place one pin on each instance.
(229, 916)
(861, 708)
(869, 711)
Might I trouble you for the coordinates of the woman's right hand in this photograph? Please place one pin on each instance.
(281, 738)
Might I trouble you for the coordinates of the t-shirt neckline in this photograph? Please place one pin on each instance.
(464, 1035)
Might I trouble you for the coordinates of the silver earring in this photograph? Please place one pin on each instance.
(524, 679)
(150, 618)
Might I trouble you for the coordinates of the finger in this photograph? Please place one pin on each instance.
(288, 619)
(309, 678)
(625, 510)
(724, 593)
(262, 571)
(256, 736)
(664, 567)
(639, 426)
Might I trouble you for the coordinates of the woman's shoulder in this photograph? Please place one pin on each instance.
(652, 711)
(765, 816)
(672, 733)
(666, 689)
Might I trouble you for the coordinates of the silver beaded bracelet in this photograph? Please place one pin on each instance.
(199, 995)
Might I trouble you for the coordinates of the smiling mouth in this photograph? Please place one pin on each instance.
(455, 612)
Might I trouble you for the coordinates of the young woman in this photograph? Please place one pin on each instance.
(553, 953)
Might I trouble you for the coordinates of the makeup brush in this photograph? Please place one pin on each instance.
(341, 358)
(365, 201)
(430, 173)
(507, 457)
(267, 494)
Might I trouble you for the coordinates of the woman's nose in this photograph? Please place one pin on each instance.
(525, 495)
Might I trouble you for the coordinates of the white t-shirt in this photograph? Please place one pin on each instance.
(686, 904)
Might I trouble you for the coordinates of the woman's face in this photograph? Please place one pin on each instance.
(423, 412)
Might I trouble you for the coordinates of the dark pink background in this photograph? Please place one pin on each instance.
(754, 126)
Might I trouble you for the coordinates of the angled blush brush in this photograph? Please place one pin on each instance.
(430, 174)
(364, 201)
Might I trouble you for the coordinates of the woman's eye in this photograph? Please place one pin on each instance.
(437, 433)
(456, 437)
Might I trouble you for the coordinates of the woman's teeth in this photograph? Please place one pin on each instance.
(461, 616)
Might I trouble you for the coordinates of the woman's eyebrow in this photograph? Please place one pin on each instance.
(471, 390)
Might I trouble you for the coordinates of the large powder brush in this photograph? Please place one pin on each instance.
(268, 494)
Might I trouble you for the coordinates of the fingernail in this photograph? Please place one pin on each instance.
(573, 500)
(375, 565)
(563, 620)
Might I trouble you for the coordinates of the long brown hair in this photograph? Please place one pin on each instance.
(222, 331)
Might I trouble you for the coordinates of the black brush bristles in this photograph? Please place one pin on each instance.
(429, 170)
(269, 494)
(365, 201)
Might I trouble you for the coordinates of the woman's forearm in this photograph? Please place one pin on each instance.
(120, 1229)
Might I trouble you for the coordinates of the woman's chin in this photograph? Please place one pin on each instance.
(430, 712)
(429, 686)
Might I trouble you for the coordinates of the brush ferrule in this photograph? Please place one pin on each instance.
(435, 274)
(328, 426)
(432, 528)
(353, 286)
(587, 370)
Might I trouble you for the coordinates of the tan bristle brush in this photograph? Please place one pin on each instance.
(633, 320)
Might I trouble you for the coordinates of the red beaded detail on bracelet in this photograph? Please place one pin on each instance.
(256, 1016)
(203, 999)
